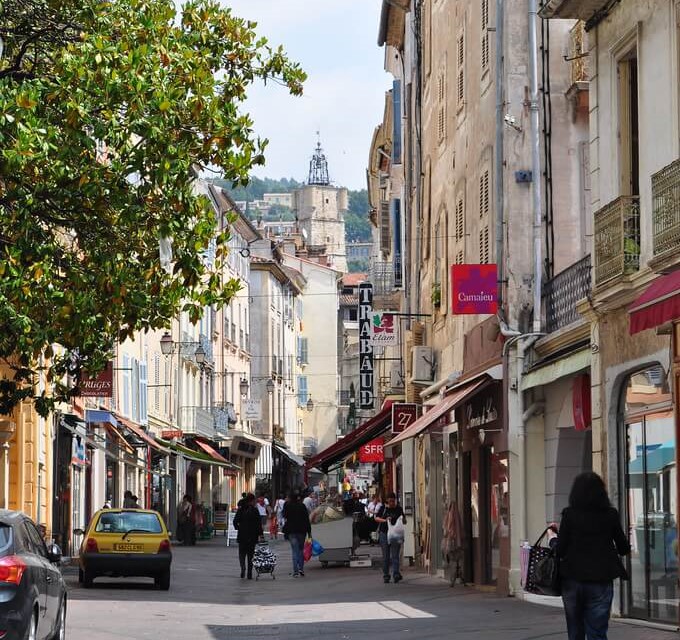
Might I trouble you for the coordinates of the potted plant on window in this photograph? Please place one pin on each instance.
(436, 295)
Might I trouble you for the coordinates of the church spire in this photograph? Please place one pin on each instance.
(318, 166)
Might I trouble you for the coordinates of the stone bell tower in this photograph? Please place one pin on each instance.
(320, 211)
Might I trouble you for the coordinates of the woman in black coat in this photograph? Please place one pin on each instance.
(590, 543)
(248, 523)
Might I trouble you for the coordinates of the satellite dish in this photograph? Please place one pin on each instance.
(304, 233)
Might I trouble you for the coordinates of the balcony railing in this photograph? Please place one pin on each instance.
(562, 292)
(207, 345)
(381, 274)
(578, 53)
(617, 239)
(197, 421)
(666, 208)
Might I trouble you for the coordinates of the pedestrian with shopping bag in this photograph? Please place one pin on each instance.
(249, 526)
(296, 528)
(589, 546)
(391, 521)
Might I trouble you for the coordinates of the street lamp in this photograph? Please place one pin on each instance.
(270, 386)
(168, 346)
(243, 387)
(310, 404)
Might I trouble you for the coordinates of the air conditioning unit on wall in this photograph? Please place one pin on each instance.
(422, 363)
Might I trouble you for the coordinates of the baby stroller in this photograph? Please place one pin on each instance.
(264, 560)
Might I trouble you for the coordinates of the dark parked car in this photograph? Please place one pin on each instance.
(32, 590)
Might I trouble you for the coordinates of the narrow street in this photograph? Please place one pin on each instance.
(208, 601)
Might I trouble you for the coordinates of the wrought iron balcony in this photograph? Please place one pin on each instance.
(562, 292)
(197, 421)
(381, 274)
(666, 209)
(617, 239)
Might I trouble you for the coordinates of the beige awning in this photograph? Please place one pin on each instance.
(561, 368)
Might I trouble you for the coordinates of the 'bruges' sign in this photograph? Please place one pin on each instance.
(366, 399)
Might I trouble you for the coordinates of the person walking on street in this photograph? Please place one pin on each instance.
(278, 511)
(185, 519)
(129, 501)
(590, 544)
(249, 526)
(391, 549)
(296, 528)
(263, 509)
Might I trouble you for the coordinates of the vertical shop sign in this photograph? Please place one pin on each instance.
(366, 399)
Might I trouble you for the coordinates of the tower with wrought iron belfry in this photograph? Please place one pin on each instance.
(320, 211)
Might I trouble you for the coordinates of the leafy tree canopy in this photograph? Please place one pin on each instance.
(107, 111)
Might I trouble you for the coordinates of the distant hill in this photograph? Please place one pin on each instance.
(357, 224)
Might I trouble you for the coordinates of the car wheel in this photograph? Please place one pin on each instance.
(60, 629)
(32, 629)
(163, 580)
(88, 578)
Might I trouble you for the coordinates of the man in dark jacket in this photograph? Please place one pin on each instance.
(296, 528)
(249, 526)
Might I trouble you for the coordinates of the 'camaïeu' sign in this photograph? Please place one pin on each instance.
(366, 399)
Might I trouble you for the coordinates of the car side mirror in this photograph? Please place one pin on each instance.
(78, 532)
(54, 553)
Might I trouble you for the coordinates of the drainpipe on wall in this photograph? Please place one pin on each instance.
(498, 169)
(535, 164)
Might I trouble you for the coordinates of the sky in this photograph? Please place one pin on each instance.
(335, 41)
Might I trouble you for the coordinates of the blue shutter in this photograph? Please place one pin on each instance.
(396, 122)
(302, 390)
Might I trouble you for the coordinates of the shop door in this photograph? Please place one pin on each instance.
(651, 513)
(437, 504)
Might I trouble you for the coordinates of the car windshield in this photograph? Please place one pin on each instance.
(5, 540)
(124, 521)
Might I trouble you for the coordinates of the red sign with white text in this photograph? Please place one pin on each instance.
(99, 387)
(474, 288)
(372, 451)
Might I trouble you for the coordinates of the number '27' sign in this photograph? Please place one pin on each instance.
(404, 414)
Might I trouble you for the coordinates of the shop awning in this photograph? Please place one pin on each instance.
(202, 458)
(372, 428)
(115, 433)
(295, 459)
(142, 435)
(100, 416)
(659, 304)
(566, 366)
(211, 452)
(448, 403)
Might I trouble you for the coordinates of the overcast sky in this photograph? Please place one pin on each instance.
(336, 43)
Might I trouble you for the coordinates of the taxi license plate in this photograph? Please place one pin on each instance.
(127, 547)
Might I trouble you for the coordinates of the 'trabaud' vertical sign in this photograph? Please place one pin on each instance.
(366, 399)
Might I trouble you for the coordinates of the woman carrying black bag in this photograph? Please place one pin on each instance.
(589, 546)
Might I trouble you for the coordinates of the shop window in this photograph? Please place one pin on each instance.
(649, 496)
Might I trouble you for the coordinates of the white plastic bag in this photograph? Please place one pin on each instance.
(395, 532)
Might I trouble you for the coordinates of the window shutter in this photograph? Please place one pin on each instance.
(143, 389)
(385, 244)
(134, 390)
(127, 388)
(302, 390)
(441, 106)
(484, 254)
(157, 381)
(461, 71)
(485, 35)
(459, 258)
(460, 220)
(484, 194)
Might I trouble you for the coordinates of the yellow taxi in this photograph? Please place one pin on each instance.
(126, 542)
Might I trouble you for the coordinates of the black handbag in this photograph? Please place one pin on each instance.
(543, 573)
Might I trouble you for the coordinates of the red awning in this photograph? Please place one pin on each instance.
(445, 405)
(372, 428)
(659, 304)
(211, 452)
(141, 434)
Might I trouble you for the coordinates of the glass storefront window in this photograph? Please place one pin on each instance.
(650, 507)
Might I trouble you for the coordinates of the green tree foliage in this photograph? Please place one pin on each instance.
(357, 224)
(257, 187)
(107, 110)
